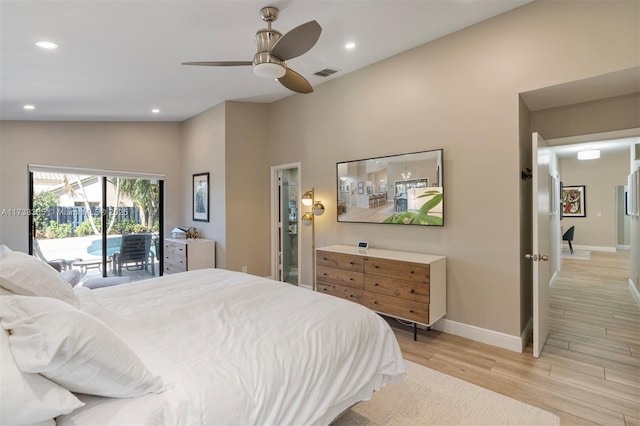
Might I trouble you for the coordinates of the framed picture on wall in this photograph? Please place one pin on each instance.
(574, 201)
(201, 197)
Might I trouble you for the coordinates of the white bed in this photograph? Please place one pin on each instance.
(233, 348)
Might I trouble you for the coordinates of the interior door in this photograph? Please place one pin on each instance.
(541, 242)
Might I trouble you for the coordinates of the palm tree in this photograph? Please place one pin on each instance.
(145, 196)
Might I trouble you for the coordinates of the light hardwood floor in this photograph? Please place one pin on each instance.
(589, 370)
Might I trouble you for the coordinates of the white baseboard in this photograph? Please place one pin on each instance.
(307, 286)
(634, 291)
(552, 281)
(623, 247)
(490, 337)
(594, 248)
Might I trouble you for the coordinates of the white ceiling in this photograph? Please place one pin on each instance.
(119, 59)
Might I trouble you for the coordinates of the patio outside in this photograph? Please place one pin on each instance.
(80, 253)
(67, 224)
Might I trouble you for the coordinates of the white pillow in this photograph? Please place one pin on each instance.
(29, 398)
(29, 276)
(73, 348)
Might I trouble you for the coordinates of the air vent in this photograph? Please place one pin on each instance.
(325, 72)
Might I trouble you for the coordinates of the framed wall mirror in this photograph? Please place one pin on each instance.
(403, 189)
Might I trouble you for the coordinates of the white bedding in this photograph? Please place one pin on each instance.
(234, 348)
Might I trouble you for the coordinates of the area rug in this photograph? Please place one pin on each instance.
(428, 397)
(577, 254)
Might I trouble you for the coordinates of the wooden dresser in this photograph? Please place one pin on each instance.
(403, 285)
(186, 255)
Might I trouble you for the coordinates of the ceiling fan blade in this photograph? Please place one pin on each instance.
(294, 81)
(220, 63)
(297, 41)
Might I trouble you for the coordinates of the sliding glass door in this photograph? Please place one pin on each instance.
(101, 224)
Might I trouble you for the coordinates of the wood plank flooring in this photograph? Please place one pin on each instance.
(589, 370)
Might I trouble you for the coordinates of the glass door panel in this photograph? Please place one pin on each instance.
(66, 220)
(133, 223)
(289, 230)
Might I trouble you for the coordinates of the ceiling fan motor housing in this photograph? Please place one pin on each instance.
(264, 64)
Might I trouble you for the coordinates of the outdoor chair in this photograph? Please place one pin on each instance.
(59, 264)
(135, 254)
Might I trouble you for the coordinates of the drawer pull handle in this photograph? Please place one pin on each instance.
(350, 263)
(376, 266)
(350, 279)
(324, 273)
(413, 290)
(411, 311)
(375, 302)
(411, 272)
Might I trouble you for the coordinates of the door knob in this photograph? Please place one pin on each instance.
(536, 257)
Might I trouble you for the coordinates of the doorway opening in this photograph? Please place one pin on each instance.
(285, 235)
(564, 152)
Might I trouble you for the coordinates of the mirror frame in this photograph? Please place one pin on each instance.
(398, 196)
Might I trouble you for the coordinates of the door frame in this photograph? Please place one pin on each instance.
(274, 224)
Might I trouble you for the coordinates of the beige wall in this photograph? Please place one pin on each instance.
(247, 181)
(130, 147)
(600, 177)
(459, 93)
(203, 150)
(620, 112)
(230, 142)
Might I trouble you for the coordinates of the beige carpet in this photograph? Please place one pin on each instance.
(577, 254)
(428, 397)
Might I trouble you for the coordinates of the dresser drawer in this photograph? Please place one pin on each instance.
(394, 306)
(328, 275)
(407, 290)
(172, 268)
(349, 293)
(418, 272)
(340, 261)
(174, 250)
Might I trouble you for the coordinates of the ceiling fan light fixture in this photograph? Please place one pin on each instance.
(269, 70)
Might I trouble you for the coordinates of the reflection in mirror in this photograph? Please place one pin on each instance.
(405, 189)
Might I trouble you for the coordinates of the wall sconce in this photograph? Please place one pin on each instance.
(317, 209)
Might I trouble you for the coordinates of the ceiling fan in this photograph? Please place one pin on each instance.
(274, 49)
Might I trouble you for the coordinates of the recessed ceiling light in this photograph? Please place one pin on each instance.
(350, 45)
(590, 154)
(155, 111)
(46, 44)
(29, 107)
